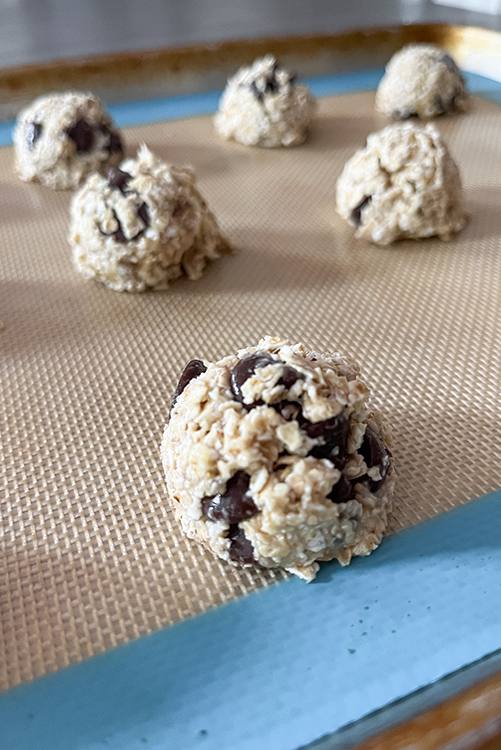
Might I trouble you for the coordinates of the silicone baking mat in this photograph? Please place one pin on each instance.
(90, 556)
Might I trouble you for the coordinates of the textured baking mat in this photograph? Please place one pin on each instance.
(90, 556)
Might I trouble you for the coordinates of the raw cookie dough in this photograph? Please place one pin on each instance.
(143, 225)
(274, 457)
(422, 80)
(263, 106)
(59, 139)
(403, 184)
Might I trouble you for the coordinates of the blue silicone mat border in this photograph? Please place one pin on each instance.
(285, 665)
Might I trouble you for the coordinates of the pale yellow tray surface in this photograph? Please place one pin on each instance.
(90, 555)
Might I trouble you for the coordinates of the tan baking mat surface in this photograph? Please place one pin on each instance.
(90, 556)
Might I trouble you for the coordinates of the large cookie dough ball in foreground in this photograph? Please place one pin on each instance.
(274, 457)
(421, 80)
(61, 138)
(403, 184)
(263, 106)
(143, 225)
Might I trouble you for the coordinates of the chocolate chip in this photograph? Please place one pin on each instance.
(234, 505)
(192, 370)
(375, 453)
(257, 93)
(403, 114)
(327, 428)
(241, 549)
(373, 450)
(448, 105)
(454, 100)
(118, 179)
(342, 491)
(245, 369)
(335, 432)
(115, 145)
(356, 214)
(119, 235)
(449, 62)
(114, 142)
(287, 409)
(33, 131)
(440, 105)
(289, 377)
(143, 214)
(292, 79)
(82, 134)
(271, 85)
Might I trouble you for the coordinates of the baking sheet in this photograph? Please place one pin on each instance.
(90, 556)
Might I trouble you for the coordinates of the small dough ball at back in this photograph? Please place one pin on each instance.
(403, 184)
(263, 106)
(421, 80)
(60, 139)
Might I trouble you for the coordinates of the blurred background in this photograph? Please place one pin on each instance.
(42, 30)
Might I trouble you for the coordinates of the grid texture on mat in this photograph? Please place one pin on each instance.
(90, 555)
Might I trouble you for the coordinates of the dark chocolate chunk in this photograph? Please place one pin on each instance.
(373, 449)
(114, 143)
(241, 549)
(119, 235)
(454, 100)
(449, 62)
(118, 179)
(287, 409)
(342, 491)
(335, 433)
(374, 452)
(449, 105)
(247, 366)
(356, 214)
(234, 505)
(257, 93)
(143, 214)
(440, 105)
(33, 131)
(329, 428)
(82, 134)
(403, 114)
(244, 369)
(192, 370)
(271, 85)
(289, 377)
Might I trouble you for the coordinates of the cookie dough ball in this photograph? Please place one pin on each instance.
(422, 80)
(403, 184)
(142, 225)
(274, 457)
(61, 138)
(263, 106)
